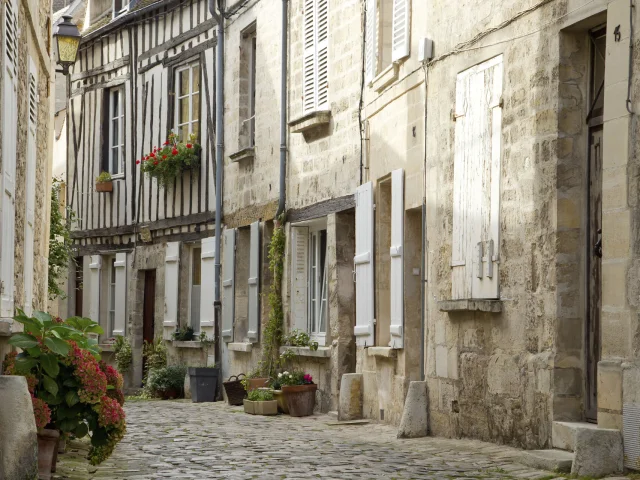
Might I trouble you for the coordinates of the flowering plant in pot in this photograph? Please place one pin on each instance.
(299, 392)
(72, 391)
(171, 159)
(166, 382)
(104, 183)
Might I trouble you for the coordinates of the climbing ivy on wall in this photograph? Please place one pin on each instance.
(60, 252)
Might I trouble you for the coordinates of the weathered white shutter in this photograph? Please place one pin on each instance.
(397, 259)
(300, 277)
(371, 45)
(322, 54)
(8, 152)
(254, 283)
(363, 265)
(401, 29)
(207, 281)
(309, 80)
(119, 324)
(171, 282)
(30, 189)
(228, 284)
(95, 268)
(476, 200)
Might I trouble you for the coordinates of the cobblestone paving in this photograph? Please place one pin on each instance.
(184, 440)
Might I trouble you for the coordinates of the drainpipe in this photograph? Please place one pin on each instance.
(219, 18)
(283, 111)
(423, 256)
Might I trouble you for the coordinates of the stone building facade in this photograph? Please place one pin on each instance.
(26, 76)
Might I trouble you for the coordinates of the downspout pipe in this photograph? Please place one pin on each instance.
(423, 253)
(219, 18)
(283, 111)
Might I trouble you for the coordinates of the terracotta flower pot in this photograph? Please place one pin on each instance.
(170, 393)
(278, 396)
(254, 383)
(47, 449)
(104, 186)
(300, 399)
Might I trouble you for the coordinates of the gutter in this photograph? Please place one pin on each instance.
(283, 112)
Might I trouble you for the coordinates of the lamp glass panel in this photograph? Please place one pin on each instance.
(67, 49)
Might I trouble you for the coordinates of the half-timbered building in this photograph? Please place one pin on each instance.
(143, 249)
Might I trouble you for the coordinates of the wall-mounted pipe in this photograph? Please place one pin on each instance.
(283, 111)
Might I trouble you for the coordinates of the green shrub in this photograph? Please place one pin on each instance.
(166, 378)
(123, 353)
(260, 395)
(103, 177)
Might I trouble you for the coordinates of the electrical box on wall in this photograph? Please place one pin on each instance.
(425, 50)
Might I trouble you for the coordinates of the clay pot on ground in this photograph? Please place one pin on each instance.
(268, 407)
(278, 396)
(301, 399)
(47, 452)
(254, 383)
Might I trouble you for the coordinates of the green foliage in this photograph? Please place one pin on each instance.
(260, 395)
(170, 160)
(166, 378)
(103, 177)
(185, 334)
(123, 353)
(298, 338)
(155, 354)
(295, 377)
(60, 253)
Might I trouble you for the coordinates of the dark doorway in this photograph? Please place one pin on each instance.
(594, 225)
(148, 309)
(79, 286)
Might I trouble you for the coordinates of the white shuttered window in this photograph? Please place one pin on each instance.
(315, 70)
(476, 191)
(171, 282)
(228, 284)
(396, 254)
(400, 30)
(9, 146)
(30, 188)
(120, 293)
(363, 266)
(387, 34)
(207, 284)
(254, 283)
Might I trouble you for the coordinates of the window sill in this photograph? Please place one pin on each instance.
(5, 327)
(119, 176)
(385, 78)
(107, 347)
(184, 344)
(469, 305)
(321, 352)
(310, 121)
(244, 154)
(385, 352)
(240, 347)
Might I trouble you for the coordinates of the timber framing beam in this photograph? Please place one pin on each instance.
(321, 209)
(121, 62)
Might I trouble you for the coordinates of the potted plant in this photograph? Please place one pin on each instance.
(167, 382)
(261, 402)
(104, 182)
(204, 383)
(171, 159)
(184, 334)
(299, 391)
(278, 396)
(253, 380)
(72, 391)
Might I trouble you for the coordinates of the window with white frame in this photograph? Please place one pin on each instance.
(248, 47)
(310, 283)
(116, 131)
(387, 34)
(111, 301)
(194, 287)
(187, 95)
(120, 7)
(315, 68)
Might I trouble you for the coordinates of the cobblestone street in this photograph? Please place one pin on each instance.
(184, 440)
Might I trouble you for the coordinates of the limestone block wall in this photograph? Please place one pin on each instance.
(325, 163)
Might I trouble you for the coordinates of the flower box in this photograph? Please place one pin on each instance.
(167, 163)
(104, 186)
(269, 407)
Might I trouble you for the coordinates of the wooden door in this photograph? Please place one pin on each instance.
(148, 309)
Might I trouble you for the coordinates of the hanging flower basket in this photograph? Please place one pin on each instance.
(171, 159)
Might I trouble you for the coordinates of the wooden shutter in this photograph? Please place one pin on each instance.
(171, 282)
(476, 194)
(119, 324)
(363, 265)
(371, 47)
(207, 281)
(30, 188)
(95, 268)
(401, 29)
(228, 284)
(9, 148)
(322, 55)
(309, 57)
(254, 283)
(300, 278)
(397, 259)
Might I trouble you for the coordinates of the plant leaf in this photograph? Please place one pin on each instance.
(34, 352)
(68, 425)
(24, 364)
(94, 329)
(23, 340)
(71, 398)
(42, 317)
(50, 364)
(81, 430)
(70, 382)
(50, 385)
(57, 345)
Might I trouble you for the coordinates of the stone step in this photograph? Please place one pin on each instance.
(552, 460)
(563, 434)
(333, 415)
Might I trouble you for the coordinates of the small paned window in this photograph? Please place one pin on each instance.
(111, 317)
(116, 131)
(187, 95)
